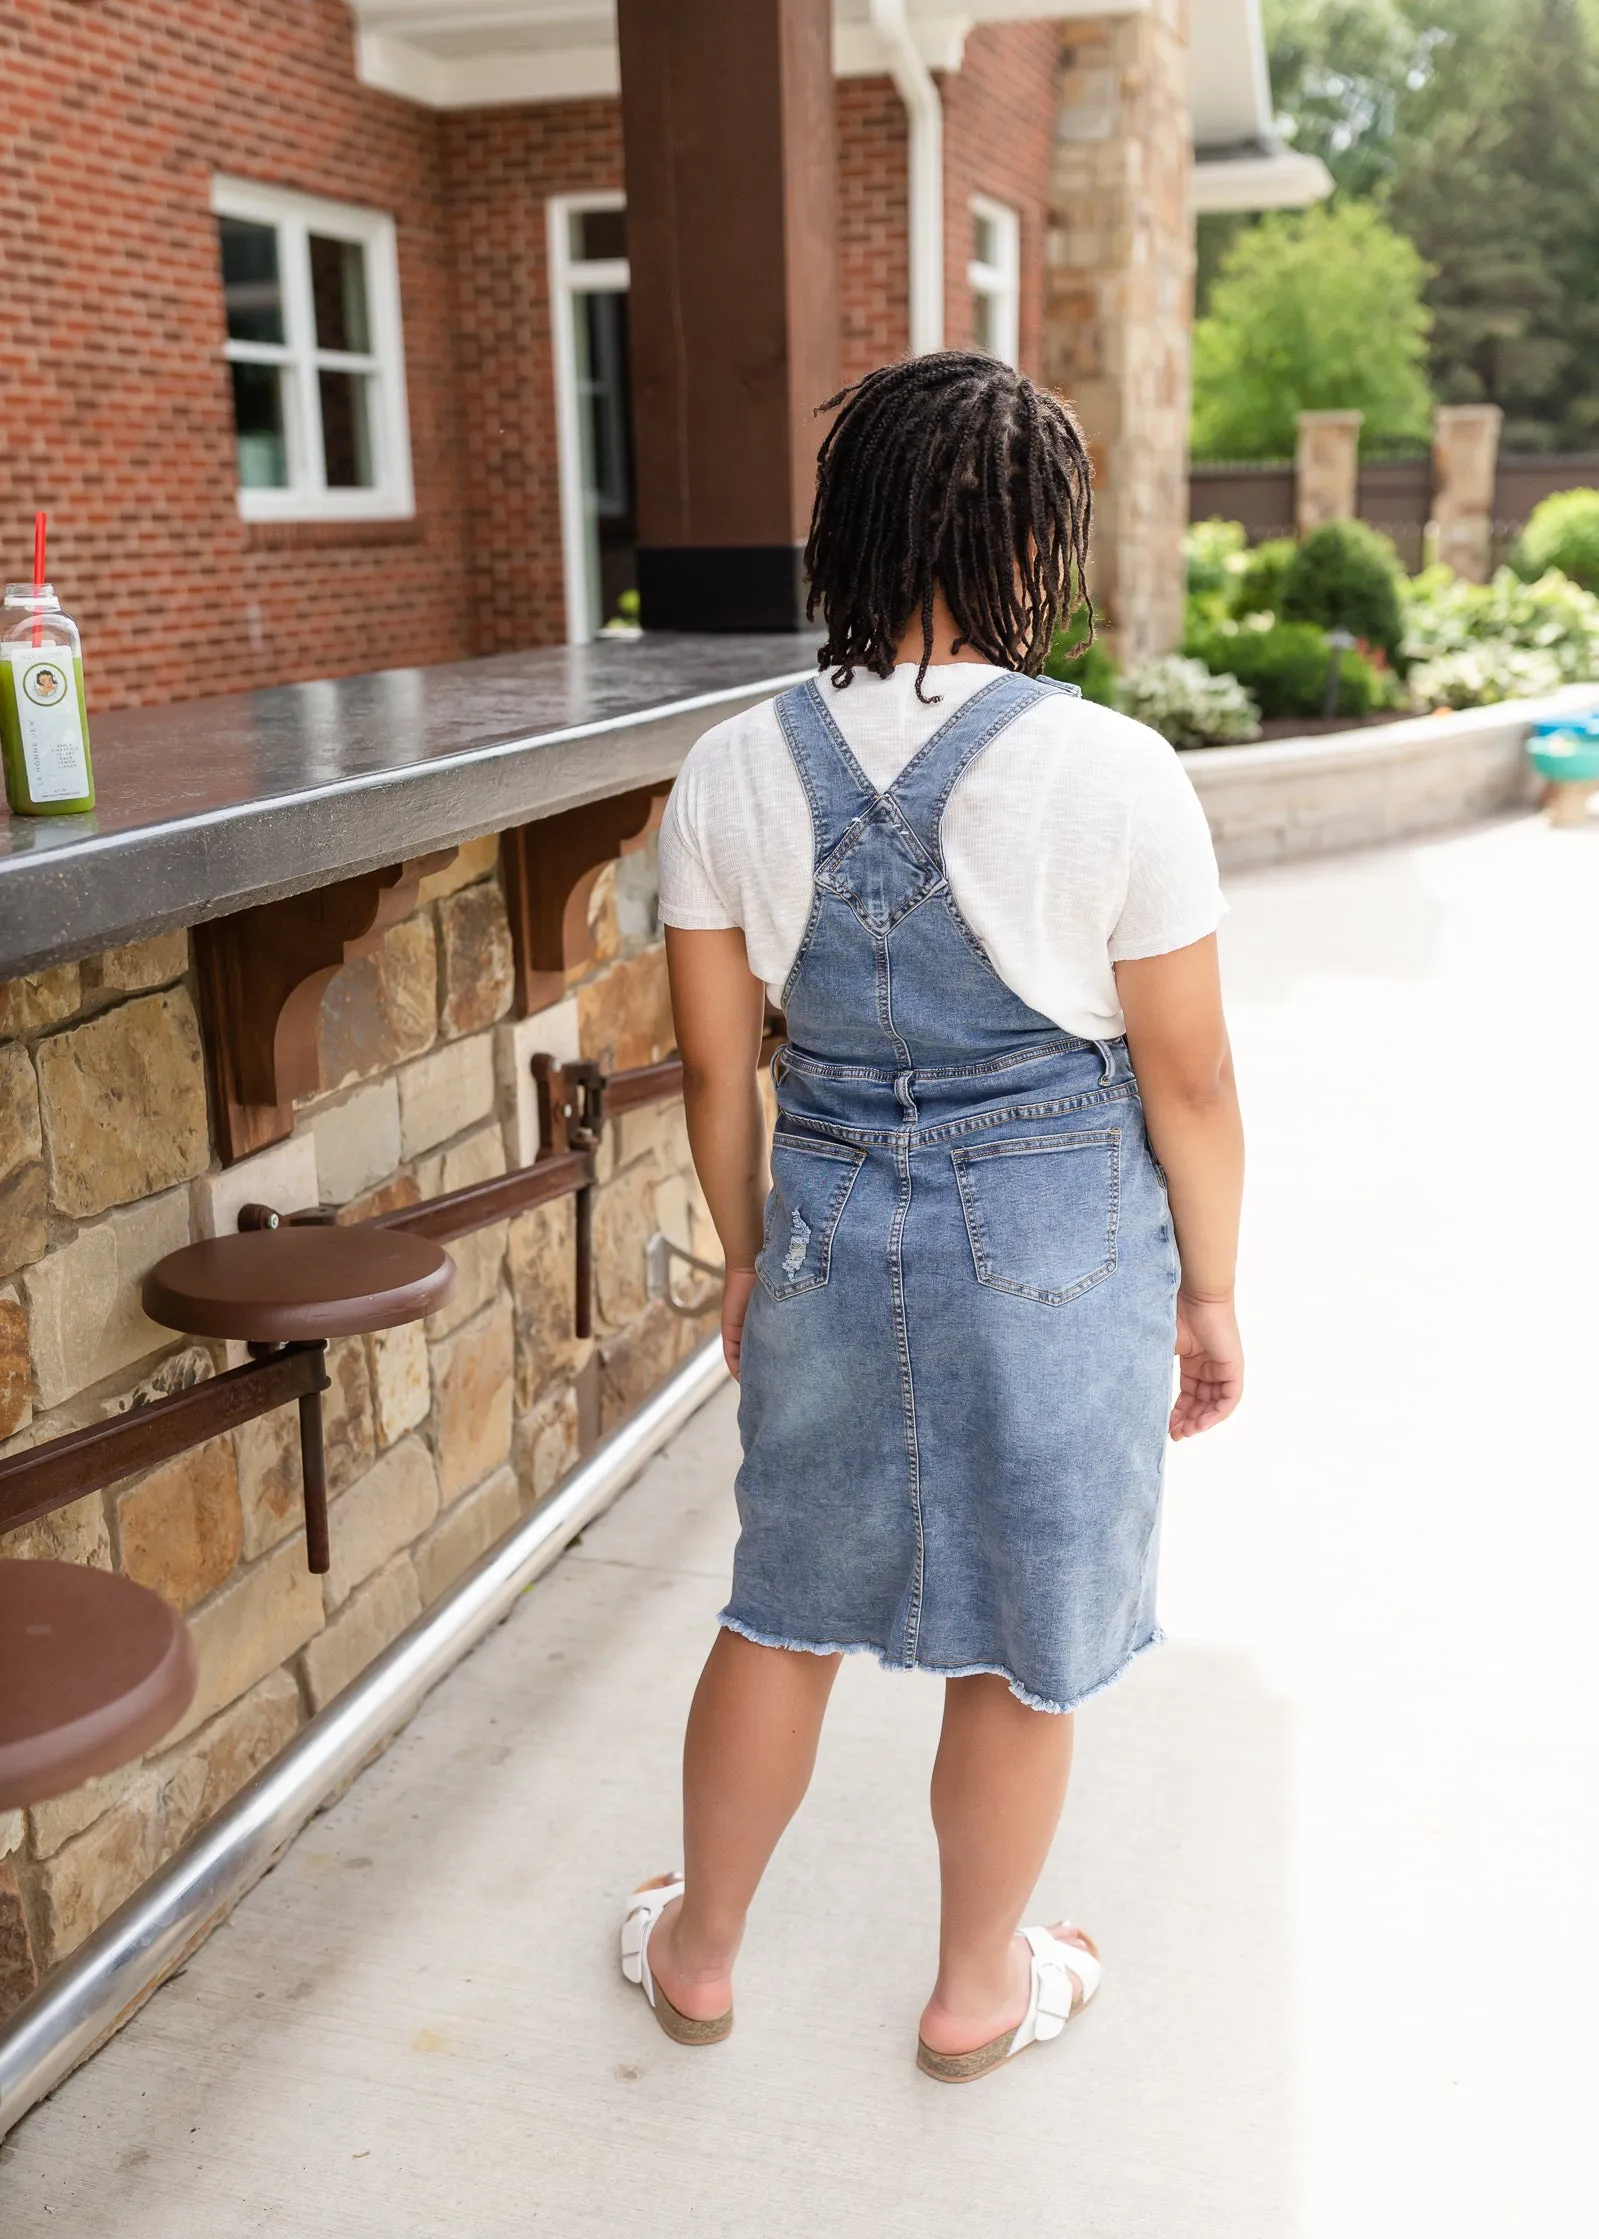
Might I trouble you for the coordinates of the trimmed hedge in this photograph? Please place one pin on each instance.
(1284, 669)
(1345, 576)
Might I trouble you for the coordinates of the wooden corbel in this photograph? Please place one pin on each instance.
(550, 868)
(262, 974)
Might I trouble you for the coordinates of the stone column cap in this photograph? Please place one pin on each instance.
(1463, 415)
(1329, 419)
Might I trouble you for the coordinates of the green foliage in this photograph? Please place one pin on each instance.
(1258, 585)
(1284, 667)
(1187, 704)
(1346, 577)
(1093, 672)
(1480, 675)
(1209, 550)
(1553, 617)
(1562, 533)
(1471, 124)
(1312, 310)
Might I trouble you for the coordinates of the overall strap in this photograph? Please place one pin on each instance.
(835, 784)
(928, 779)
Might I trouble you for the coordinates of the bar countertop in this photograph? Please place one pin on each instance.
(207, 806)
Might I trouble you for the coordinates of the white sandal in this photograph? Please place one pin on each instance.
(1054, 2001)
(644, 1910)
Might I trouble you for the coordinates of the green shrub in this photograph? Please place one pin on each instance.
(1553, 616)
(1187, 704)
(1212, 553)
(1093, 671)
(1284, 668)
(1257, 587)
(1562, 533)
(1346, 577)
(1480, 675)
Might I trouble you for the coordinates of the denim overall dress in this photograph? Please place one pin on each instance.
(957, 1363)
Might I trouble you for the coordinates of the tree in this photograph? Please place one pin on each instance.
(1314, 310)
(1495, 179)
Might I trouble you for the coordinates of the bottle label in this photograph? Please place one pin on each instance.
(54, 750)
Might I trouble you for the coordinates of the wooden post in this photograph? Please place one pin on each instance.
(728, 131)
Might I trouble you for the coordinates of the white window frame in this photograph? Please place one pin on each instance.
(295, 217)
(1000, 282)
(571, 277)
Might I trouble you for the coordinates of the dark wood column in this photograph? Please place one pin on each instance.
(729, 143)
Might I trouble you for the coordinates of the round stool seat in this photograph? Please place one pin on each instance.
(93, 1669)
(282, 1285)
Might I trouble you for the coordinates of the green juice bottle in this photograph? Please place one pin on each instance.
(44, 723)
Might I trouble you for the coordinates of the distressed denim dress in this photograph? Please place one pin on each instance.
(957, 1363)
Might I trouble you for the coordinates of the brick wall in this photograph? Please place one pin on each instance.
(439, 1435)
(113, 394)
(500, 166)
(999, 118)
(873, 279)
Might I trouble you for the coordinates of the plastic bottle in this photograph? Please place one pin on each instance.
(44, 722)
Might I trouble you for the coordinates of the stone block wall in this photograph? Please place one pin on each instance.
(439, 1434)
(1119, 302)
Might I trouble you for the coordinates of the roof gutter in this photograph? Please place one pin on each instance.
(924, 113)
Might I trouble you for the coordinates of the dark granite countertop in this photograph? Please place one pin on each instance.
(206, 806)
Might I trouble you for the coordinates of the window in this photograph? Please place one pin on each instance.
(312, 296)
(995, 276)
(593, 405)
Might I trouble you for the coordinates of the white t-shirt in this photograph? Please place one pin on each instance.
(1073, 842)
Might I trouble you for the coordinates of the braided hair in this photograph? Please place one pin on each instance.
(948, 472)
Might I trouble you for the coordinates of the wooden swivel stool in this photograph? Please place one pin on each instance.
(293, 1286)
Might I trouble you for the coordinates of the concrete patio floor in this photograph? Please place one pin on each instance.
(1336, 1840)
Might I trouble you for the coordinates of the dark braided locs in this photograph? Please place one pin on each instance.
(948, 472)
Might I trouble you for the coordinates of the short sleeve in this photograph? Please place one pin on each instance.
(689, 895)
(1174, 892)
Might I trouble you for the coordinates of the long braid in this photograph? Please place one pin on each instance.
(950, 473)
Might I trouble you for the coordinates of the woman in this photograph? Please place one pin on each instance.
(1005, 1177)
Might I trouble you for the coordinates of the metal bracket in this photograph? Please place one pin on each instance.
(659, 1254)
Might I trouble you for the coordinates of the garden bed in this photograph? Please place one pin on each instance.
(1278, 799)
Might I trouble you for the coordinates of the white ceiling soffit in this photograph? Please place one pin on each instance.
(464, 54)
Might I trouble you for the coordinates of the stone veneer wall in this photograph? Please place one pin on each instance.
(1118, 302)
(439, 1435)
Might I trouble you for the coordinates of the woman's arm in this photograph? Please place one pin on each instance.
(718, 1006)
(1177, 1038)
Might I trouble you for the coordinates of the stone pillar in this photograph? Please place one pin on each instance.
(729, 145)
(1118, 310)
(1326, 468)
(1465, 459)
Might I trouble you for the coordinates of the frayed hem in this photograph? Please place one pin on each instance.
(941, 1671)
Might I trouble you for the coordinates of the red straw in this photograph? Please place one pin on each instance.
(40, 520)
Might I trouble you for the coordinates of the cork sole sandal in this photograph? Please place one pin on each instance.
(644, 1910)
(1055, 1999)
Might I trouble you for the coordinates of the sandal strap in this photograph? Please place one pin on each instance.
(644, 1910)
(1054, 1993)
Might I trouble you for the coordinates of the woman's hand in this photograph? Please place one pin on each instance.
(738, 1286)
(1212, 1357)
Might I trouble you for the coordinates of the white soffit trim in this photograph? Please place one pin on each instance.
(1271, 178)
(488, 80)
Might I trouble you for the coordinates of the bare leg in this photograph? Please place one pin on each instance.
(747, 1761)
(999, 1782)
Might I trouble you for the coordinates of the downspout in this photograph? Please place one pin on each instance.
(924, 113)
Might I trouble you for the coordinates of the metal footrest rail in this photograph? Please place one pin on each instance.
(109, 1976)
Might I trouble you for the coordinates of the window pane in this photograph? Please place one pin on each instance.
(338, 290)
(346, 430)
(599, 234)
(985, 239)
(250, 286)
(258, 427)
(985, 323)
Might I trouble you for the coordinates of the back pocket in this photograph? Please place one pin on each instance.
(1041, 1212)
(811, 1182)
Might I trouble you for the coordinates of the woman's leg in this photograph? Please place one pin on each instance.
(747, 1760)
(999, 1782)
